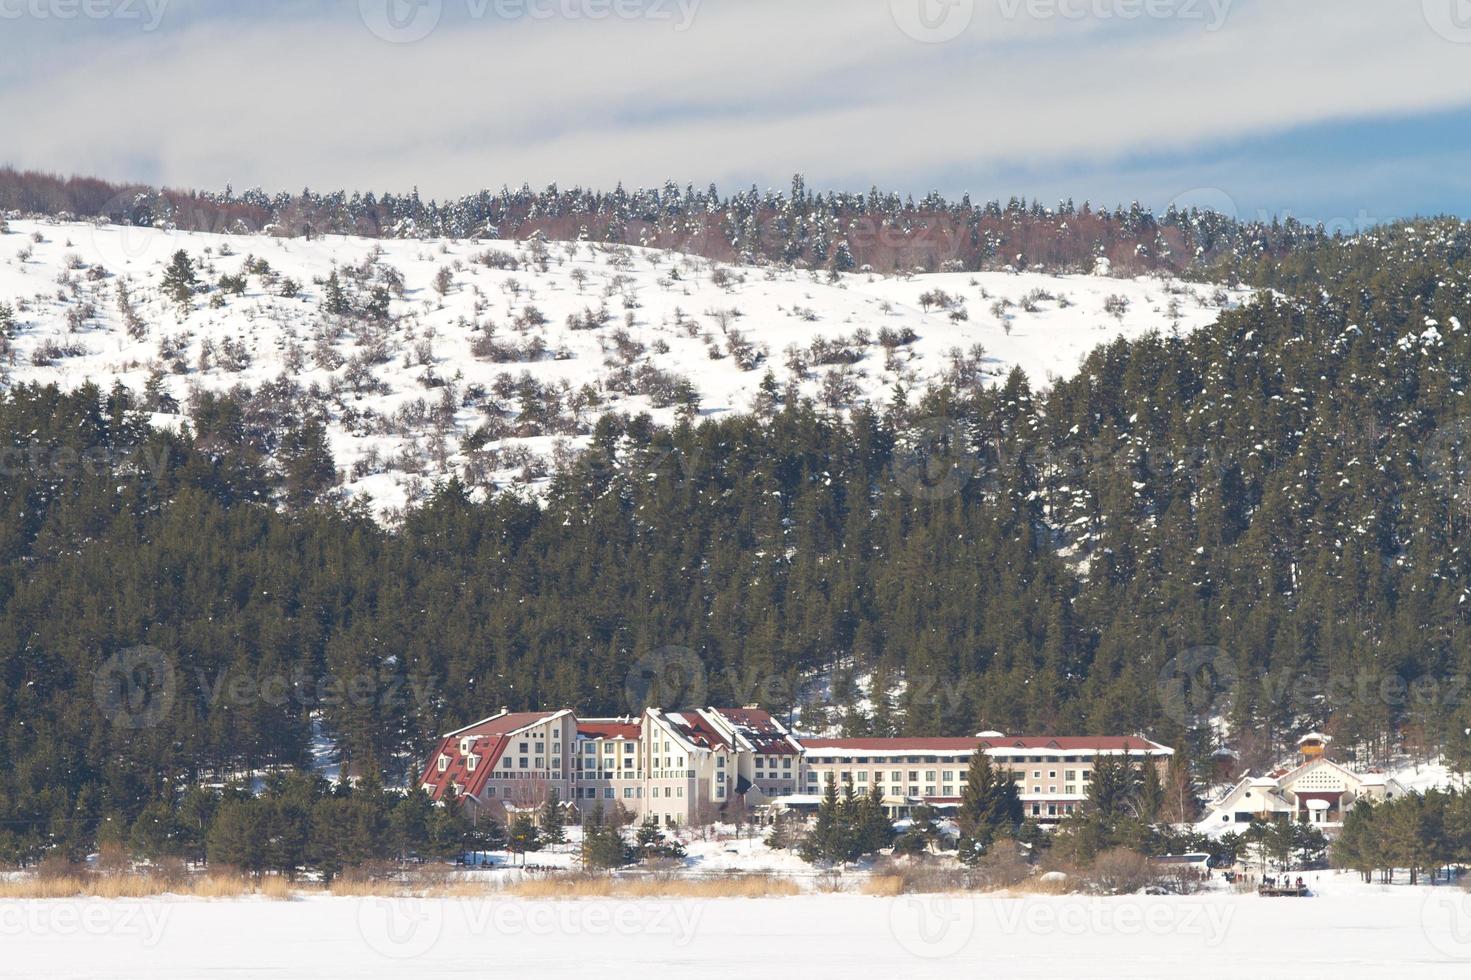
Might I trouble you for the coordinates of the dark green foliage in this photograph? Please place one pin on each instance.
(847, 827)
(653, 845)
(179, 280)
(990, 807)
(553, 820)
(523, 837)
(603, 844)
(1286, 490)
(1422, 832)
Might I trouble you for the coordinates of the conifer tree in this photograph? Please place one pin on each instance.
(553, 820)
(990, 807)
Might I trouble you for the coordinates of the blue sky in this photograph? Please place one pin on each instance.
(1344, 111)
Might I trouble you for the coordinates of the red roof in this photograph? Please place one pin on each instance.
(487, 749)
(1064, 743)
(764, 733)
(505, 724)
(696, 729)
(610, 729)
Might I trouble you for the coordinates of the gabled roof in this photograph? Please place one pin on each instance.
(756, 730)
(487, 750)
(507, 723)
(693, 729)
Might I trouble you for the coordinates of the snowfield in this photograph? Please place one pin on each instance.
(490, 358)
(1350, 930)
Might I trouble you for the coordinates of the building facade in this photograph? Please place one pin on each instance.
(692, 767)
(1318, 791)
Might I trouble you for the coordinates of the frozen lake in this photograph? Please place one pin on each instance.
(1348, 931)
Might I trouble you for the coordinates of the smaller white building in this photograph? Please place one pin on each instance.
(1319, 792)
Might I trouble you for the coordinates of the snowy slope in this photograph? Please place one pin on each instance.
(401, 393)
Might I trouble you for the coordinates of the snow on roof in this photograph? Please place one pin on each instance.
(1075, 744)
(508, 722)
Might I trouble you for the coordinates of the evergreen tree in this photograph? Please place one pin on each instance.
(990, 807)
(179, 279)
(553, 820)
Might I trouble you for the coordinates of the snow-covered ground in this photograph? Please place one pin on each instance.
(398, 418)
(1349, 930)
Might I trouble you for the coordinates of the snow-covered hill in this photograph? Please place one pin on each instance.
(491, 358)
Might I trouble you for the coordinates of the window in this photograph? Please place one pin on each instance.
(443, 762)
(525, 763)
(608, 793)
(786, 763)
(470, 761)
(541, 748)
(524, 747)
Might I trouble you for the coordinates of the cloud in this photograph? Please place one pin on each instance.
(752, 90)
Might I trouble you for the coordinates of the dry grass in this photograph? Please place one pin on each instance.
(885, 886)
(80, 883)
(142, 885)
(734, 886)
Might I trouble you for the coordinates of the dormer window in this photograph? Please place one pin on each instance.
(470, 761)
(443, 762)
(464, 746)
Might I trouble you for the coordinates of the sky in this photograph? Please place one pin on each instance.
(1349, 112)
